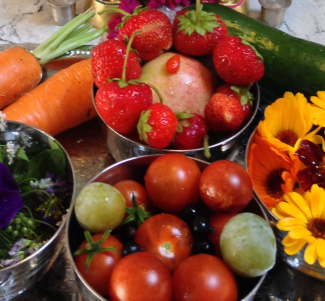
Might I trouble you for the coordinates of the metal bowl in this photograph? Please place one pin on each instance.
(16, 279)
(221, 147)
(296, 261)
(135, 169)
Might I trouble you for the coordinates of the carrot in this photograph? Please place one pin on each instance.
(20, 70)
(13, 76)
(61, 102)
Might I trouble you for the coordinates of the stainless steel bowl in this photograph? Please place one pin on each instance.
(135, 169)
(16, 279)
(122, 147)
(296, 261)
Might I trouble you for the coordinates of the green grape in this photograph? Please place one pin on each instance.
(15, 233)
(99, 207)
(24, 230)
(248, 245)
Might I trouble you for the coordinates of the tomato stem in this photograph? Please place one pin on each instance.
(136, 213)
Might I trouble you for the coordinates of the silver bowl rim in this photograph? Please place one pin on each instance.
(248, 146)
(70, 256)
(168, 150)
(64, 220)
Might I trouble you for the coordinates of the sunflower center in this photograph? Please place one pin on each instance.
(287, 137)
(317, 227)
(273, 184)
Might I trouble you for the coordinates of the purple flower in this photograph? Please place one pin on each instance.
(10, 199)
(126, 5)
(172, 4)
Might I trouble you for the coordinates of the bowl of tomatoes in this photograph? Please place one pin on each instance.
(118, 249)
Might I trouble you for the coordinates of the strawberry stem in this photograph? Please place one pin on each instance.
(198, 3)
(127, 54)
(114, 9)
(157, 91)
(206, 147)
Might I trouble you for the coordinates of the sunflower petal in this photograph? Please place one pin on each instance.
(295, 248)
(310, 239)
(321, 262)
(299, 232)
(310, 253)
(292, 210)
(317, 201)
(288, 241)
(317, 102)
(298, 201)
(320, 247)
(289, 223)
(280, 214)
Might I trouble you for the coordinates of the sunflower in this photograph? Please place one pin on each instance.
(272, 174)
(287, 120)
(318, 108)
(303, 216)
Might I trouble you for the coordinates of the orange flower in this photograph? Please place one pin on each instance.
(272, 174)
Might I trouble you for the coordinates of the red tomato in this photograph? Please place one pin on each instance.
(167, 236)
(172, 182)
(130, 187)
(204, 277)
(140, 276)
(226, 187)
(218, 221)
(101, 265)
(172, 65)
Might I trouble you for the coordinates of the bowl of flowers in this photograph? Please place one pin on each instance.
(284, 159)
(36, 189)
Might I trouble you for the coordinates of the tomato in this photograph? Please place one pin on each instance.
(218, 221)
(204, 277)
(140, 276)
(172, 182)
(129, 187)
(226, 187)
(167, 236)
(101, 265)
(172, 65)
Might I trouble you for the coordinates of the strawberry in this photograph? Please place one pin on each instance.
(191, 131)
(197, 33)
(242, 94)
(156, 32)
(157, 125)
(120, 103)
(223, 113)
(107, 62)
(120, 108)
(237, 62)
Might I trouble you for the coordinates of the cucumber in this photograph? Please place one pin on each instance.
(291, 64)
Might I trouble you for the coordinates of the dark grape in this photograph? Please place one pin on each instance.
(130, 248)
(127, 231)
(201, 226)
(203, 246)
(188, 213)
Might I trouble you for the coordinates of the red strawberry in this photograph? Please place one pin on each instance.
(223, 113)
(157, 125)
(190, 132)
(242, 94)
(156, 32)
(197, 36)
(237, 62)
(107, 62)
(121, 108)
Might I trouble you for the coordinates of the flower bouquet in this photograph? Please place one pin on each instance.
(285, 160)
(35, 191)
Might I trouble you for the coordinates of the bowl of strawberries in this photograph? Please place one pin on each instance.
(195, 91)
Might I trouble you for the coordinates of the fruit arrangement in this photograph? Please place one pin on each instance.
(185, 110)
(188, 239)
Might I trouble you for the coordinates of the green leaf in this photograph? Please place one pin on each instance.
(54, 144)
(53, 161)
(21, 154)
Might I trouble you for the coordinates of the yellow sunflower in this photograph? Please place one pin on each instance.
(303, 216)
(272, 174)
(286, 120)
(318, 108)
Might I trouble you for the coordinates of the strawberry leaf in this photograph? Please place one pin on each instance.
(143, 126)
(245, 95)
(126, 18)
(245, 42)
(190, 23)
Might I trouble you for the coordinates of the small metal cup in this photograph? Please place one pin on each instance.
(273, 11)
(63, 10)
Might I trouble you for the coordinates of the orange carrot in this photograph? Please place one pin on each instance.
(20, 72)
(61, 102)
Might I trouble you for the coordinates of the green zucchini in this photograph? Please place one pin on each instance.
(291, 64)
